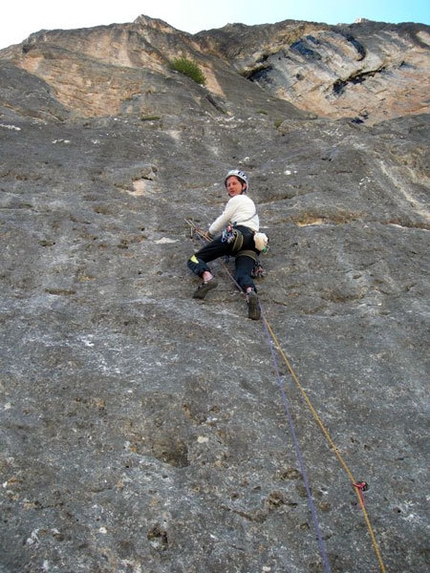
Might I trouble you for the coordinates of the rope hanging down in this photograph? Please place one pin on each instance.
(204, 237)
(359, 486)
(299, 456)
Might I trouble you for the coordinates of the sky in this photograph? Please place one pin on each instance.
(19, 19)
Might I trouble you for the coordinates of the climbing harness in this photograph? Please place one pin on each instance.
(229, 235)
(359, 486)
(233, 236)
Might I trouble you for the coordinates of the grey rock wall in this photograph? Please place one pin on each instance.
(144, 431)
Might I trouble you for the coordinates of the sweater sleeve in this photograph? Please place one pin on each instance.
(224, 219)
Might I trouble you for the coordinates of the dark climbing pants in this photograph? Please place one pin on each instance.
(244, 263)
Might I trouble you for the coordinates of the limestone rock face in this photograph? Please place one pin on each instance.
(370, 71)
(145, 431)
(367, 70)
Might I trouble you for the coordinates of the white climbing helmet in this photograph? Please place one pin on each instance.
(240, 175)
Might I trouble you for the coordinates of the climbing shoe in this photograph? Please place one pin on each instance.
(204, 288)
(254, 312)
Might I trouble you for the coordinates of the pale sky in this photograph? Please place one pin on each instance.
(19, 19)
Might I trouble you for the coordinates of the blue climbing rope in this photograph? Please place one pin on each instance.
(298, 452)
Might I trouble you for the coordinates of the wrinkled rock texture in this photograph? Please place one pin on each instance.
(144, 431)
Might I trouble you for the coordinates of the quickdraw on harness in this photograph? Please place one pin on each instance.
(234, 237)
(258, 271)
(229, 234)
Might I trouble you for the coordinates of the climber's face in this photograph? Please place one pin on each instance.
(234, 186)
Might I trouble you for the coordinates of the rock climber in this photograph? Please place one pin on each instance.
(233, 235)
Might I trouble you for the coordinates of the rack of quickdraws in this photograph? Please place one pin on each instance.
(258, 272)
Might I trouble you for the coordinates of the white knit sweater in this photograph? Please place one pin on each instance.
(240, 210)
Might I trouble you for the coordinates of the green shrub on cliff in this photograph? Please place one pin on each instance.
(188, 68)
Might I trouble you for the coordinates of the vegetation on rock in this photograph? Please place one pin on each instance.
(190, 69)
